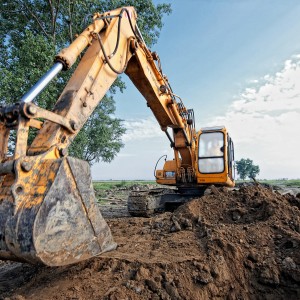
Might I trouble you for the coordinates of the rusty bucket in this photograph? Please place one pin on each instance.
(48, 213)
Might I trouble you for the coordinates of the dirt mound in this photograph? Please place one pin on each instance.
(239, 244)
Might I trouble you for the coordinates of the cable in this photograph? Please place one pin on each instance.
(118, 37)
(129, 19)
(158, 162)
(119, 28)
(107, 59)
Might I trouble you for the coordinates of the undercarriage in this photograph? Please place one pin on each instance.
(144, 203)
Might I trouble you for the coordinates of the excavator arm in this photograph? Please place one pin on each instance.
(95, 74)
(48, 212)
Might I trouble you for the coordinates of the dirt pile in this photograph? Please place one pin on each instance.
(239, 244)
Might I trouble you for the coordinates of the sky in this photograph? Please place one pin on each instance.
(236, 63)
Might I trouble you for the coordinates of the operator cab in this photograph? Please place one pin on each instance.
(215, 156)
(214, 165)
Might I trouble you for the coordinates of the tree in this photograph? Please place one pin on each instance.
(33, 31)
(246, 168)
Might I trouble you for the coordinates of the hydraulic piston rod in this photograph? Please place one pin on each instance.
(42, 83)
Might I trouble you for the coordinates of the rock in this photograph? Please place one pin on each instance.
(214, 190)
(152, 285)
(252, 256)
(236, 216)
(249, 264)
(176, 227)
(269, 277)
(202, 278)
(288, 263)
(270, 210)
(172, 291)
(155, 297)
(188, 224)
(200, 219)
(110, 291)
(158, 225)
(202, 232)
(138, 289)
(207, 192)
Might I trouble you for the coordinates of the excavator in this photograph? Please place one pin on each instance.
(48, 210)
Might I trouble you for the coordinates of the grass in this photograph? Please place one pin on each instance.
(112, 184)
(102, 201)
(286, 182)
(294, 182)
(102, 186)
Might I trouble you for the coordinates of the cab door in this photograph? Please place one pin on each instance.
(211, 153)
(215, 157)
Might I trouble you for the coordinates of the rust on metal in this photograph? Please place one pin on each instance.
(49, 215)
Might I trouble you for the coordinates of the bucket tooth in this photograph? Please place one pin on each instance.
(53, 218)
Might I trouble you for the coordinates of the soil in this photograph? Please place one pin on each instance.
(229, 244)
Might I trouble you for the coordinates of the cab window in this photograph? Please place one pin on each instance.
(211, 152)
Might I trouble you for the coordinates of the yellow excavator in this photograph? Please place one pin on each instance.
(48, 212)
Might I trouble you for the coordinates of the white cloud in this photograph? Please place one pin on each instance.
(140, 129)
(265, 122)
(145, 143)
(135, 161)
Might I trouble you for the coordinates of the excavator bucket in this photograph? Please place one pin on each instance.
(48, 212)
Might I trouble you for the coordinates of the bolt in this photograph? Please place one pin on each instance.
(63, 152)
(31, 110)
(155, 56)
(63, 139)
(74, 125)
(19, 189)
(163, 89)
(133, 45)
(26, 166)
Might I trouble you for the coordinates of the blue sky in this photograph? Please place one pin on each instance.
(236, 63)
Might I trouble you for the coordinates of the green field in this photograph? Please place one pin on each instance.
(285, 182)
(102, 188)
(112, 184)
